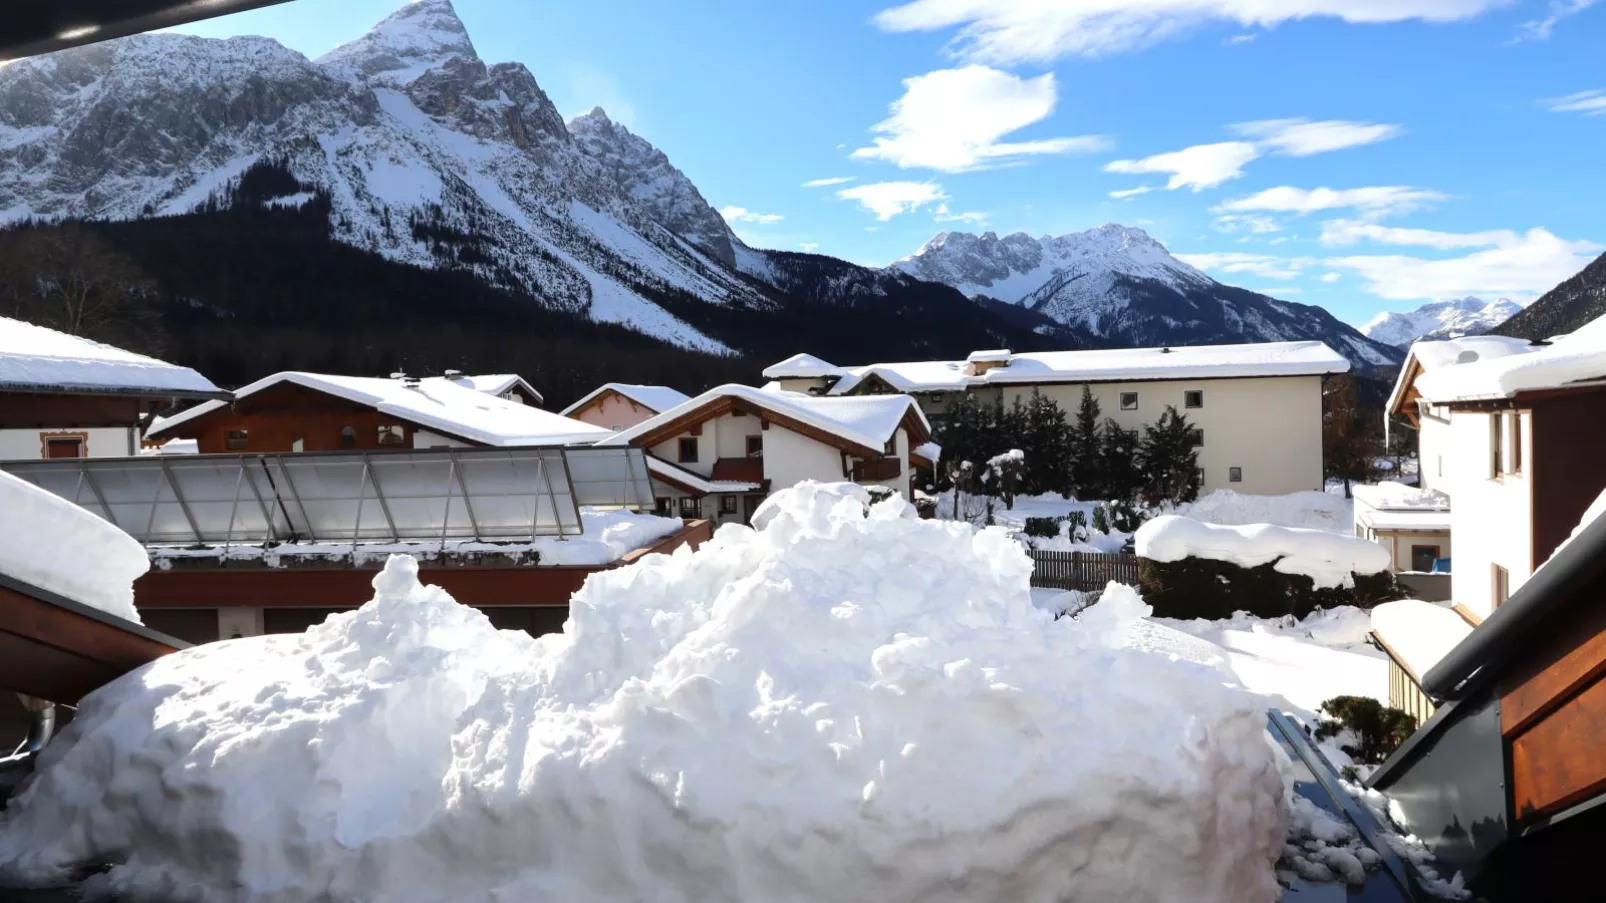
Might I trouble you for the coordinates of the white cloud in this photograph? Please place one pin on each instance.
(808, 247)
(735, 214)
(1125, 193)
(1344, 232)
(1526, 264)
(1040, 31)
(952, 120)
(1265, 266)
(1304, 138)
(1198, 167)
(1331, 278)
(1539, 29)
(1375, 201)
(825, 183)
(888, 199)
(1253, 223)
(943, 215)
(1237, 39)
(1589, 103)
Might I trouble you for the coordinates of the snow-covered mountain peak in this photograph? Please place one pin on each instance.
(1440, 320)
(422, 36)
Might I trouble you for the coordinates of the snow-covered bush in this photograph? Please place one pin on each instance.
(1374, 730)
(845, 703)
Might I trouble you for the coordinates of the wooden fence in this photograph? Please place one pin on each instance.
(1085, 571)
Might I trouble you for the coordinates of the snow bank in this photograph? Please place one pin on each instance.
(1310, 510)
(845, 705)
(1329, 560)
(1421, 633)
(53, 544)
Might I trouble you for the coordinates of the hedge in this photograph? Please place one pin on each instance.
(1210, 589)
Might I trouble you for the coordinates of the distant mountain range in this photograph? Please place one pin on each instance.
(1440, 320)
(1116, 286)
(1564, 308)
(406, 147)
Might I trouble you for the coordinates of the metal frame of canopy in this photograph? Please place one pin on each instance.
(480, 494)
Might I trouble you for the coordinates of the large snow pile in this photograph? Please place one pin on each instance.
(55, 545)
(1310, 510)
(844, 705)
(1328, 559)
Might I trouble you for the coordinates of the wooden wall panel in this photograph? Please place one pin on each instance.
(275, 418)
(1567, 471)
(25, 412)
(1560, 760)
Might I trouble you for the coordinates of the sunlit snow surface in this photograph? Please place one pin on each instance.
(848, 704)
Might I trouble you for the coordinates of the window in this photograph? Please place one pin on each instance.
(1496, 446)
(1129, 401)
(1193, 398)
(348, 437)
(392, 435)
(662, 507)
(1235, 474)
(688, 452)
(1197, 436)
(755, 446)
(727, 504)
(298, 445)
(1502, 585)
(1422, 558)
(691, 507)
(1516, 442)
(237, 440)
(890, 450)
(64, 446)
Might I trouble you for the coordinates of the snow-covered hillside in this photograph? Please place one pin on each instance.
(1115, 285)
(410, 135)
(1440, 320)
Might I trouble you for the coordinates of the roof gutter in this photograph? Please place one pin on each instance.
(119, 391)
(1506, 631)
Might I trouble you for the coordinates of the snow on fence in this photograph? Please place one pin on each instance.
(1082, 571)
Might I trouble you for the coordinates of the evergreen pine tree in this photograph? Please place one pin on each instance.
(1169, 460)
(1118, 462)
(1086, 453)
(961, 432)
(1046, 440)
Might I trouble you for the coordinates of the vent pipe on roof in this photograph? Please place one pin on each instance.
(1165, 350)
(452, 374)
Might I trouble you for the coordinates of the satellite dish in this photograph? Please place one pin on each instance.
(1466, 357)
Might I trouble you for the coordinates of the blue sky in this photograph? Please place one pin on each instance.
(1364, 155)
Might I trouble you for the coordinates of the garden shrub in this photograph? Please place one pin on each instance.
(1210, 589)
(1042, 527)
(1378, 729)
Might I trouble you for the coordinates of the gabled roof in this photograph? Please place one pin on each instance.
(802, 366)
(866, 422)
(1576, 358)
(1426, 357)
(657, 399)
(436, 403)
(1105, 365)
(495, 383)
(37, 359)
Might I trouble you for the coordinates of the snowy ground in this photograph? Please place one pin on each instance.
(1307, 510)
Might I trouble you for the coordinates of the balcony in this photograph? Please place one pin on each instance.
(877, 470)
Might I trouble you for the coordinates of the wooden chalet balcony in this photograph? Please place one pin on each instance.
(873, 470)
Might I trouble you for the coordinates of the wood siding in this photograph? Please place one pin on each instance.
(58, 654)
(26, 411)
(1566, 469)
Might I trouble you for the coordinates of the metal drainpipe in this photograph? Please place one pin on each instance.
(40, 730)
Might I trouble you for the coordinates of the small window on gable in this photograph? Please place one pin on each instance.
(64, 447)
(755, 446)
(688, 450)
(348, 437)
(237, 440)
(1193, 398)
(1235, 474)
(390, 434)
(1129, 401)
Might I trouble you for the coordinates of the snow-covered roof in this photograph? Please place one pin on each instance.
(1404, 521)
(495, 383)
(1106, 365)
(867, 420)
(40, 359)
(930, 451)
(1579, 357)
(657, 399)
(676, 474)
(1418, 633)
(802, 366)
(436, 403)
(1426, 357)
(1400, 497)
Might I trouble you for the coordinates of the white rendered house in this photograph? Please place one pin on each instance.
(617, 406)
